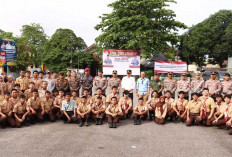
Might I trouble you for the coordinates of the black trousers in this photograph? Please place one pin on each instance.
(131, 96)
(70, 114)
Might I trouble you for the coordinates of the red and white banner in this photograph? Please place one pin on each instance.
(121, 60)
(170, 66)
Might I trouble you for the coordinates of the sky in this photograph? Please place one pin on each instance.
(82, 16)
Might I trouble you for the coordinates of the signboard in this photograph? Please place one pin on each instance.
(170, 66)
(8, 46)
(2, 58)
(121, 60)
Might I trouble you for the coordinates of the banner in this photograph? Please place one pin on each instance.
(2, 58)
(121, 60)
(170, 66)
(8, 46)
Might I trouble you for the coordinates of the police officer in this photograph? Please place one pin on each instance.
(62, 83)
(213, 85)
(87, 81)
(100, 82)
(183, 85)
(226, 85)
(114, 81)
(156, 84)
(170, 84)
(197, 84)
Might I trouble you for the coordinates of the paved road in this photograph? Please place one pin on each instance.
(148, 139)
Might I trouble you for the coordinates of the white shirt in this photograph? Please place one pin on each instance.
(128, 83)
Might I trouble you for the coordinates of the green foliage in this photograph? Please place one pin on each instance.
(145, 25)
(149, 74)
(30, 45)
(213, 36)
(59, 49)
(7, 35)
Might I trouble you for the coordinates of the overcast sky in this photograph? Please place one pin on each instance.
(82, 15)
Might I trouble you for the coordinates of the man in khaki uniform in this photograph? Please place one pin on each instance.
(114, 112)
(6, 112)
(35, 79)
(208, 107)
(41, 79)
(43, 89)
(114, 81)
(74, 83)
(10, 83)
(47, 105)
(179, 106)
(34, 104)
(226, 85)
(75, 97)
(170, 84)
(22, 81)
(213, 85)
(183, 85)
(21, 111)
(58, 103)
(114, 93)
(197, 84)
(100, 81)
(90, 99)
(62, 83)
(98, 110)
(99, 94)
(28, 75)
(69, 73)
(126, 104)
(28, 93)
(2, 85)
(169, 101)
(151, 102)
(140, 112)
(222, 114)
(14, 96)
(229, 122)
(83, 111)
(194, 111)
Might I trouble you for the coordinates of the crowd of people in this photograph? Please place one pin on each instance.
(32, 99)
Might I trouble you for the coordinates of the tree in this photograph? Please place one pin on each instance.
(8, 35)
(145, 25)
(31, 45)
(213, 36)
(58, 51)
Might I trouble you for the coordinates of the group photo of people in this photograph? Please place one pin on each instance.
(48, 96)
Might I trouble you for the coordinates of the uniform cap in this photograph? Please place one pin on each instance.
(184, 74)
(227, 74)
(128, 71)
(156, 74)
(100, 71)
(213, 73)
(115, 72)
(170, 73)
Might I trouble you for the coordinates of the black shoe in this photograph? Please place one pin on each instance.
(139, 121)
(100, 121)
(3, 126)
(111, 125)
(96, 121)
(26, 123)
(81, 124)
(114, 125)
(135, 122)
(150, 118)
(86, 123)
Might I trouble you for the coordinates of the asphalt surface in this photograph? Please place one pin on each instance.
(148, 139)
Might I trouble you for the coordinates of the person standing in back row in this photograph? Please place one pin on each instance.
(213, 85)
(128, 83)
(87, 81)
(170, 84)
(100, 82)
(183, 85)
(143, 87)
